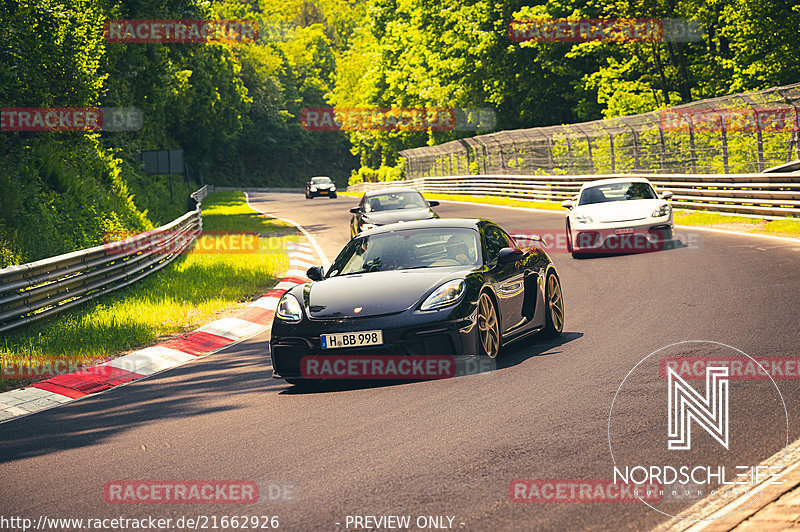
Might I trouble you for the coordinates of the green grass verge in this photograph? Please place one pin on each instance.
(193, 290)
(787, 227)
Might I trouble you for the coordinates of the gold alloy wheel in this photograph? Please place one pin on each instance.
(488, 326)
(555, 303)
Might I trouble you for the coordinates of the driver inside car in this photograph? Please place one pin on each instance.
(458, 249)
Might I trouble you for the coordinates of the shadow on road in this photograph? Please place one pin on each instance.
(670, 246)
(192, 390)
(466, 366)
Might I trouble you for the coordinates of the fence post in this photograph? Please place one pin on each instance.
(724, 133)
(550, 159)
(569, 152)
(759, 141)
(692, 152)
(589, 144)
(636, 165)
(613, 155)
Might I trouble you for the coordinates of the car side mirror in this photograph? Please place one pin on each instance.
(355, 210)
(567, 204)
(666, 194)
(433, 203)
(510, 255)
(315, 273)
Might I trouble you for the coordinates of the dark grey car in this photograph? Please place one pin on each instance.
(320, 186)
(382, 207)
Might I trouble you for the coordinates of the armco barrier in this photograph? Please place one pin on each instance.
(766, 194)
(37, 290)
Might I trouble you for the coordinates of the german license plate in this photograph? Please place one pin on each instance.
(351, 339)
(625, 231)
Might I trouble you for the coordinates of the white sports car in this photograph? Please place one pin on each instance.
(618, 215)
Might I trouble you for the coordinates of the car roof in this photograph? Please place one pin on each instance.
(371, 193)
(323, 176)
(443, 223)
(631, 179)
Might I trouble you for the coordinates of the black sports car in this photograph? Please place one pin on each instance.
(381, 207)
(320, 186)
(433, 288)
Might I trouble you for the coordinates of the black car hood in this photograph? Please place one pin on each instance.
(398, 215)
(375, 293)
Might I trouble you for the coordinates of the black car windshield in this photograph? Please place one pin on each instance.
(617, 192)
(408, 249)
(321, 180)
(394, 200)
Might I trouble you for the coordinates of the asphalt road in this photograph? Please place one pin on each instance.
(438, 448)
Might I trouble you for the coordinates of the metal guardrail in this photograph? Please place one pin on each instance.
(38, 290)
(768, 195)
(286, 190)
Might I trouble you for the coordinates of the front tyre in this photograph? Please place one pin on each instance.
(570, 247)
(554, 315)
(488, 326)
(332, 196)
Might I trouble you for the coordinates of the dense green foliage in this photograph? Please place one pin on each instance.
(458, 53)
(235, 108)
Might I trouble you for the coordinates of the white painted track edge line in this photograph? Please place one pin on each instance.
(325, 262)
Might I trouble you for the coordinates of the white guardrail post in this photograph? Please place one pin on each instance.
(38, 290)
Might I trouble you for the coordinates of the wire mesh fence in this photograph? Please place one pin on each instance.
(734, 134)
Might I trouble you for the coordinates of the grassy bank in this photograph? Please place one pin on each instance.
(195, 289)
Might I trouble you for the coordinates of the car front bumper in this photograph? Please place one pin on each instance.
(408, 334)
(623, 237)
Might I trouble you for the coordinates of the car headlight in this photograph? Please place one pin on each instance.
(289, 309)
(662, 210)
(333, 188)
(313, 189)
(364, 227)
(447, 294)
(583, 219)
